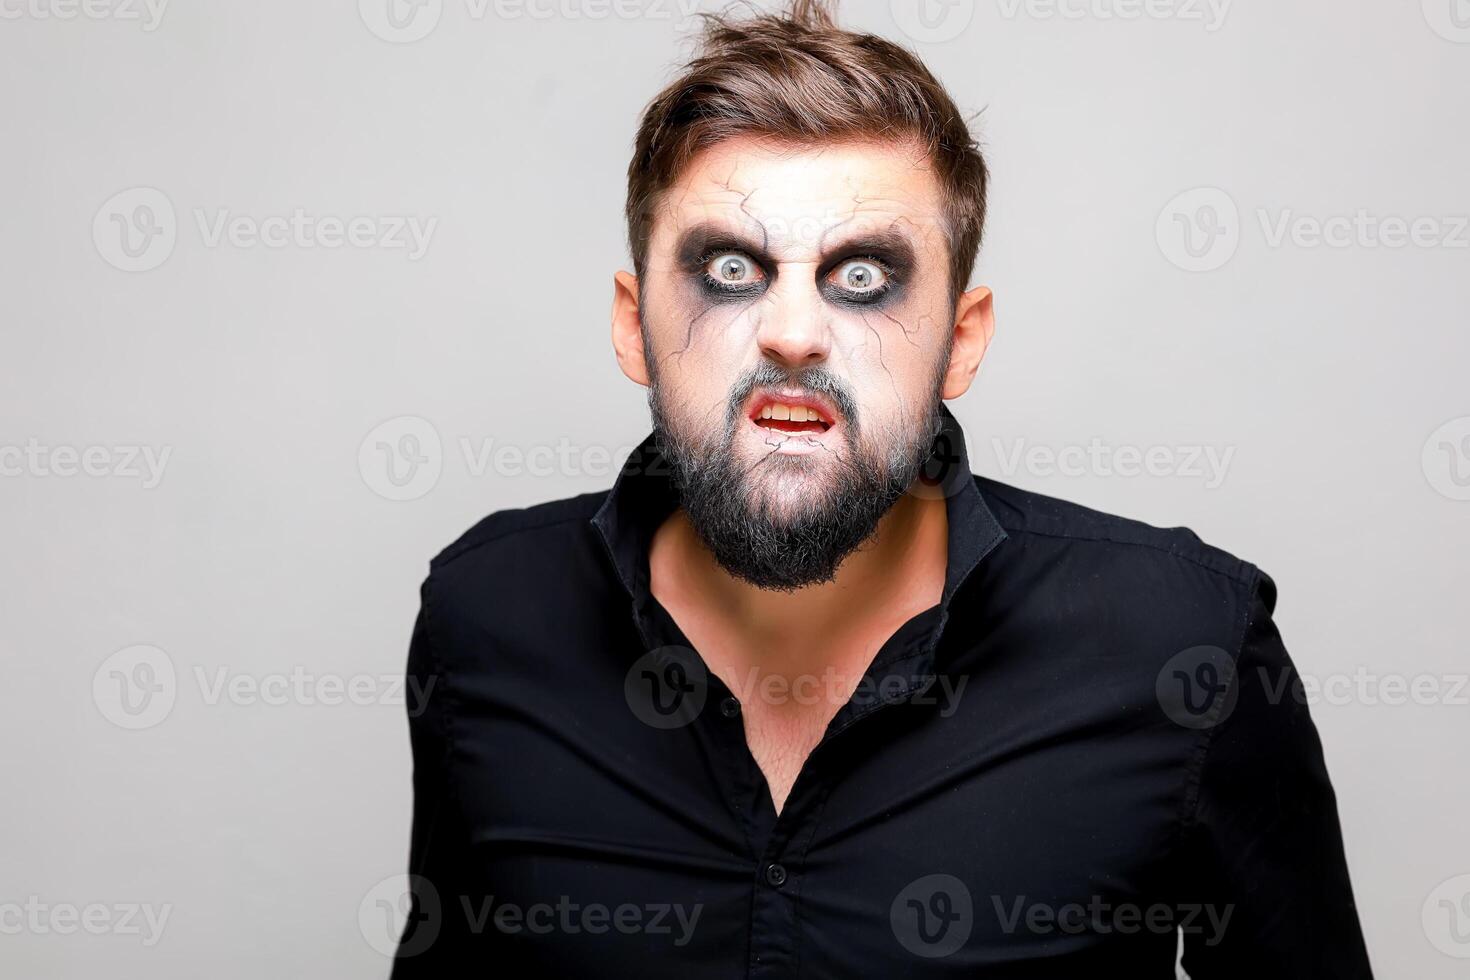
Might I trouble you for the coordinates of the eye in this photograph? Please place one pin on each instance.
(732, 270)
(860, 278)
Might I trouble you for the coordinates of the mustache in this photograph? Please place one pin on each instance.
(815, 379)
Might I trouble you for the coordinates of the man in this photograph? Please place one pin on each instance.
(801, 696)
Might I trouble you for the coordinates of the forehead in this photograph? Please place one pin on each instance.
(795, 199)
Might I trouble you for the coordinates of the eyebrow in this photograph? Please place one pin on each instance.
(894, 246)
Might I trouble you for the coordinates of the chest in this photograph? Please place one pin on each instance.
(788, 693)
(910, 813)
(782, 731)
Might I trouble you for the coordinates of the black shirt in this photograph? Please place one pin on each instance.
(1090, 744)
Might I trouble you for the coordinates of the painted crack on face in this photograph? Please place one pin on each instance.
(788, 303)
(745, 209)
(689, 331)
(781, 439)
(892, 381)
(857, 204)
(907, 334)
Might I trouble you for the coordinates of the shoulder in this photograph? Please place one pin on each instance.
(1130, 619)
(517, 584)
(520, 566)
(1037, 521)
(517, 528)
(1144, 592)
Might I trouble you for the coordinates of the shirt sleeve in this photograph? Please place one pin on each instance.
(432, 933)
(1262, 842)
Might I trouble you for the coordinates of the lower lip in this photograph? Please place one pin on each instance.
(795, 442)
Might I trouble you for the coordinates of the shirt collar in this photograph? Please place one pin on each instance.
(644, 495)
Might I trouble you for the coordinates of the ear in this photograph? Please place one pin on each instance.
(627, 328)
(974, 325)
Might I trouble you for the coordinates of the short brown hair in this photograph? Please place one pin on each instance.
(799, 78)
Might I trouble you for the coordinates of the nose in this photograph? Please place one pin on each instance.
(794, 330)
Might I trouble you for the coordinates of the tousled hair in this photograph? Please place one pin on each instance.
(799, 78)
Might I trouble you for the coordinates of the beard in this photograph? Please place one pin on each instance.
(736, 508)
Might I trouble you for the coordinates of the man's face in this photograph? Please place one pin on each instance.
(796, 314)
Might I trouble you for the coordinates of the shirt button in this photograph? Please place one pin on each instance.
(775, 875)
(729, 707)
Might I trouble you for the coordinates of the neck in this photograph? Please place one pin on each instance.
(896, 573)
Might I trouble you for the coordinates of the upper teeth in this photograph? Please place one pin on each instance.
(795, 413)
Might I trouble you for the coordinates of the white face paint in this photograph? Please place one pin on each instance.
(831, 260)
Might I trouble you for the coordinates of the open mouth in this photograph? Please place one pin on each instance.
(791, 415)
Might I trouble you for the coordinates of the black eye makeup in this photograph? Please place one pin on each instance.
(860, 279)
(730, 272)
(860, 273)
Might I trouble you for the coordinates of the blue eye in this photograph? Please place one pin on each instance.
(732, 270)
(860, 277)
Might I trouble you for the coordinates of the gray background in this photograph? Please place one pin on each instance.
(1333, 375)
